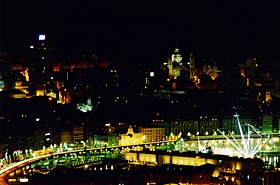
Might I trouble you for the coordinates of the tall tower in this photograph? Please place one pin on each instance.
(40, 56)
(192, 66)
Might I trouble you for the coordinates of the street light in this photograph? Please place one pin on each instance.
(197, 133)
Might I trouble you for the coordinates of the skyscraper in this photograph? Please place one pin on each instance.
(40, 59)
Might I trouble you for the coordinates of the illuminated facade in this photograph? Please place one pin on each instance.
(85, 107)
(66, 137)
(174, 64)
(229, 124)
(192, 69)
(267, 123)
(153, 134)
(130, 138)
(78, 133)
(103, 140)
(188, 126)
(20, 79)
(193, 160)
(248, 71)
(208, 125)
(177, 127)
(210, 70)
(181, 73)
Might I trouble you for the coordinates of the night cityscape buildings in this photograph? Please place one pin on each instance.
(117, 76)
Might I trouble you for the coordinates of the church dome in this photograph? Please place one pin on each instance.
(176, 56)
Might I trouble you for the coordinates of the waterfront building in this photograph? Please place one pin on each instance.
(229, 123)
(267, 123)
(65, 137)
(153, 134)
(102, 140)
(208, 125)
(161, 123)
(130, 138)
(78, 133)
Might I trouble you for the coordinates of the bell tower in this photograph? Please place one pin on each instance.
(192, 66)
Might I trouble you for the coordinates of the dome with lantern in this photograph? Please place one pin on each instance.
(176, 56)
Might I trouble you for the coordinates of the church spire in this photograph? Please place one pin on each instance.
(192, 66)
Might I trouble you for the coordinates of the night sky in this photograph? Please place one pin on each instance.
(145, 32)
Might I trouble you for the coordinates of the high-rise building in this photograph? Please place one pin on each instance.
(40, 64)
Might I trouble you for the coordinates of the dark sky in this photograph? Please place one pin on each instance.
(144, 32)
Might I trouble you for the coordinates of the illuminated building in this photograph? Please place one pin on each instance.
(40, 59)
(173, 62)
(63, 137)
(40, 90)
(63, 93)
(179, 126)
(130, 138)
(211, 169)
(66, 137)
(208, 124)
(16, 67)
(32, 68)
(48, 139)
(15, 93)
(153, 134)
(160, 123)
(192, 69)
(229, 124)
(175, 65)
(39, 139)
(78, 133)
(184, 126)
(20, 78)
(210, 70)
(85, 107)
(250, 70)
(180, 74)
(102, 140)
(267, 123)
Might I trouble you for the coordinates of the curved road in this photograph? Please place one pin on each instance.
(6, 171)
(13, 167)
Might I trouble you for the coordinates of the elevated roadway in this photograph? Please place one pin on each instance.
(4, 173)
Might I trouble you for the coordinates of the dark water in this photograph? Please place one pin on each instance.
(135, 175)
(143, 175)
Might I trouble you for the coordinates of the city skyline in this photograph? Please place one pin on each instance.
(83, 81)
(145, 32)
